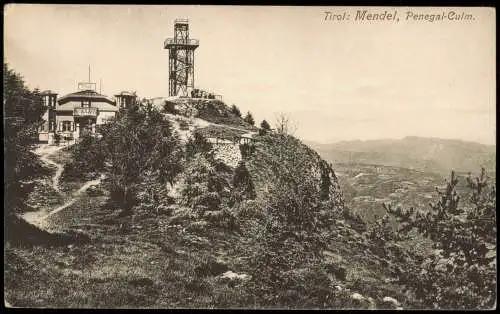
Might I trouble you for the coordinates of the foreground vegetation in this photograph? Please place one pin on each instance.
(173, 226)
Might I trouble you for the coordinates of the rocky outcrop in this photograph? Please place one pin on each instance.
(228, 153)
(282, 159)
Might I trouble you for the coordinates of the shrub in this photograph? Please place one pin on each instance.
(461, 274)
(243, 187)
(235, 110)
(57, 138)
(264, 127)
(183, 125)
(141, 142)
(170, 107)
(88, 159)
(23, 109)
(206, 183)
(197, 144)
(249, 118)
(246, 150)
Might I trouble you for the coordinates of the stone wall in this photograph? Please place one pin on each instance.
(229, 153)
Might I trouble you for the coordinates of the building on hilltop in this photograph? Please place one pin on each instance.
(82, 111)
(126, 100)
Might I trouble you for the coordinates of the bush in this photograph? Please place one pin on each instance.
(57, 138)
(246, 150)
(170, 107)
(22, 113)
(197, 144)
(140, 144)
(183, 125)
(88, 159)
(249, 118)
(235, 110)
(461, 274)
(206, 183)
(264, 127)
(242, 182)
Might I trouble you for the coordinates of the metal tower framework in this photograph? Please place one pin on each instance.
(180, 59)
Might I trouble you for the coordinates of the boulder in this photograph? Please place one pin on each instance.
(212, 267)
(338, 271)
(357, 296)
(234, 276)
(198, 226)
(391, 302)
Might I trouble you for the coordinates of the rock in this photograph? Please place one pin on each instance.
(212, 267)
(391, 301)
(357, 296)
(338, 271)
(233, 276)
(213, 215)
(372, 305)
(198, 226)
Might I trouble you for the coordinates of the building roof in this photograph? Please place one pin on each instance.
(86, 94)
(126, 93)
(48, 92)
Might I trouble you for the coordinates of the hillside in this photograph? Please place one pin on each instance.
(425, 154)
(264, 224)
(239, 222)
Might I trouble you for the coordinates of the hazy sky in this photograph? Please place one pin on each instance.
(339, 80)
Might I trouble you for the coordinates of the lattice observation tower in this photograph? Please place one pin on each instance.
(180, 59)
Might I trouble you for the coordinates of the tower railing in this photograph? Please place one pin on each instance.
(181, 41)
(181, 21)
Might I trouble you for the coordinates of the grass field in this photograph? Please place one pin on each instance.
(171, 258)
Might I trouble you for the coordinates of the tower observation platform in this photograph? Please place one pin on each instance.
(180, 59)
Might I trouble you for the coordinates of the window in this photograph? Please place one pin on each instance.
(85, 103)
(43, 127)
(66, 126)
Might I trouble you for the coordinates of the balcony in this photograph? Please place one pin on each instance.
(181, 21)
(85, 112)
(181, 43)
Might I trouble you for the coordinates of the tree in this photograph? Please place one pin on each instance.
(141, 143)
(206, 183)
(461, 273)
(249, 118)
(235, 110)
(264, 127)
(19, 102)
(22, 114)
(242, 182)
(169, 107)
(197, 144)
(284, 124)
(88, 158)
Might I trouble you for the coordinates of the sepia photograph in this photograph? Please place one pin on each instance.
(249, 157)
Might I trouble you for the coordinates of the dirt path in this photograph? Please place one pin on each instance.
(60, 168)
(197, 123)
(39, 218)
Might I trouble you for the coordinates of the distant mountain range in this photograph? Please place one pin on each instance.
(419, 153)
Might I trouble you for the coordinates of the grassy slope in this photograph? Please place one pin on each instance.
(173, 257)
